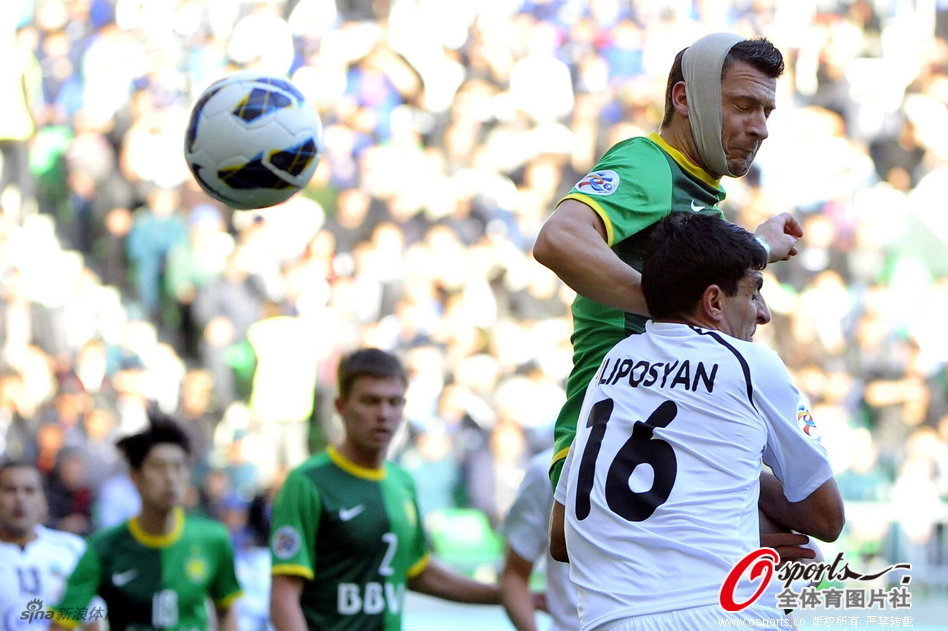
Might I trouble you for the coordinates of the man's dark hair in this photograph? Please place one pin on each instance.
(759, 52)
(368, 362)
(6, 465)
(687, 253)
(162, 429)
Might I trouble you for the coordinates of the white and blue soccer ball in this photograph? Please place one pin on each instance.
(252, 140)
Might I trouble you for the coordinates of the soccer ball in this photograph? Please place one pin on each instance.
(252, 140)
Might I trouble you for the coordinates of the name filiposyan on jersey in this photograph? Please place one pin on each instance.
(677, 374)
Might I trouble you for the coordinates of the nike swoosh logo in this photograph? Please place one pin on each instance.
(124, 578)
(695, 208)
(345, 514)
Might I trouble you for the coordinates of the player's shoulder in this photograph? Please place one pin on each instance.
(397, 473)
(635, 154)
(540, 461)
(536, 478)
(197, 525)
(62, 538)
(312, 465)
(308, 474)
(763, 363)
(759, 361)
(635, 144)
(102, 541)
(759, 354)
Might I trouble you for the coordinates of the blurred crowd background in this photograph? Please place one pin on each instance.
(451, 130)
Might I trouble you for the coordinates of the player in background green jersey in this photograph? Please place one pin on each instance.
(345, 538)
(720, 92)
(156, 571)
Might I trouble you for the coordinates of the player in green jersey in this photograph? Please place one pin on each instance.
(720, 93)
(346, 539)
(156, 571)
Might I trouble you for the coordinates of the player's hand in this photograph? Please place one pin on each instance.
(789, 545)
(781, 233)
(539, 602)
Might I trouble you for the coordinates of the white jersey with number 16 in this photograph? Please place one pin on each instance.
(662, 481)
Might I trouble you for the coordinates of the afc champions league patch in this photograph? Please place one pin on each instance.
(285, 542)
(599, 183)
(806, 423)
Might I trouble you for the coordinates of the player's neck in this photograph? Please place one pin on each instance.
(695, 320)
(678, 135)
(17, 539)
(369, 459)
(156, 522)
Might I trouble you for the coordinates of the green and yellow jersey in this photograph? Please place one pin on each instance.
(635, 184)
(152, 583)
(354, 535)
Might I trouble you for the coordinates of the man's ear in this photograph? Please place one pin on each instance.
(712, 303)
(680, 99)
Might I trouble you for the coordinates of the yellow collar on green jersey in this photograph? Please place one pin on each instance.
(684, 162)
(354, 469)
(158, 541)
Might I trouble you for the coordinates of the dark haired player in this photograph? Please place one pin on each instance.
(659, 495)
(157, 570)
(34, 560)
(719, 94)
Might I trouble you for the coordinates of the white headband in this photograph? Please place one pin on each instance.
(701, 68)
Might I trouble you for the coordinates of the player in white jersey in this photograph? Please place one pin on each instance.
(526, 530)
(664, 479)
(35, 561)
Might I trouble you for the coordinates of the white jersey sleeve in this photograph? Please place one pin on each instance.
(526, 528)
(526, 522)
(793, 450)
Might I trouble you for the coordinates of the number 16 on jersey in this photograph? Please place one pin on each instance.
(641, 448)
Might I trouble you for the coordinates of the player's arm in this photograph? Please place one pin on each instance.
(781, 233)
(574, 245)
(436, 580)
(790, 546)
(285, 611)
(801, 494)
(558, 532)
(294, 529)
(226, 618)
(525, 528)
(81, 586)
(515, 594)
(820, 514)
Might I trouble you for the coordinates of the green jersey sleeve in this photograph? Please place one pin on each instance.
(419, 548)
(294, 523)
(82, 585)
(630, 188)
(224, 588)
